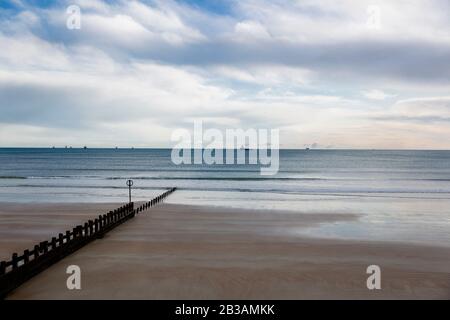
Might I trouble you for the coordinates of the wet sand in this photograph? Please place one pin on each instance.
(24, 225)
(187, 252)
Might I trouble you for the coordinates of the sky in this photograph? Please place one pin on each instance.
(328, 74)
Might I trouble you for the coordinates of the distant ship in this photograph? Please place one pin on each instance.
(246, 148)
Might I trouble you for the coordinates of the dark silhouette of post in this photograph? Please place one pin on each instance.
(129, 184)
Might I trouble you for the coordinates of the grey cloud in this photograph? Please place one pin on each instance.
(62, 106)
(420, 110)
(408, 61)
(417, 119)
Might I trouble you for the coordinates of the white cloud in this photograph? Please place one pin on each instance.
(438, 107)
(250, 30)
(267, 75)
(377, 94)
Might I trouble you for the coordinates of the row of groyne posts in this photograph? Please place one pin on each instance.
(20, 268)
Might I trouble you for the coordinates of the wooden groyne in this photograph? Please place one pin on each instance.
(22, 267)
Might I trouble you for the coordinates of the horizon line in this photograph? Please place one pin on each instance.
(246, 149)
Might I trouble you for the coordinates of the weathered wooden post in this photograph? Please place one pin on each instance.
(36, 252)
(26, 256)
(60, 240)
(67, 236)
(44, 245)
(91, 227)
(15, 261)
(53, 243)
(95, 226)
(86, 229)
(2, 268)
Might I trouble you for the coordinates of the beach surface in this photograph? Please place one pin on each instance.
(201, 252)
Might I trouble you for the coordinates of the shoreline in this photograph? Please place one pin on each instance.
(200, 252)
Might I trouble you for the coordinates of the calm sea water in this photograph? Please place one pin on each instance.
(397, 195)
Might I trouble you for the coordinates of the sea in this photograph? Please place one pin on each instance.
(396, 195)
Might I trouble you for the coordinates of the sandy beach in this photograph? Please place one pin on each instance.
(188, 252)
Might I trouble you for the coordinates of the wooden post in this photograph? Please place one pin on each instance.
(15, 261)
(26, 256)
(2, 268)
(67, 236)
(44, 246)
(75, 231)
(91, 227)
(36, 252)
(53, 243)
(60, 240)
(95, 225)
(86, 229)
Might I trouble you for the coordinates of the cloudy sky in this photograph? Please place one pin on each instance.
(338, 74)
